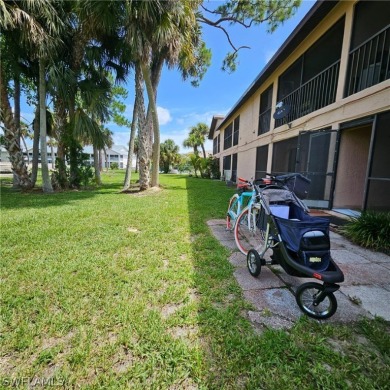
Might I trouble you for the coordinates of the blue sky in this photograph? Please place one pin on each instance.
(181, 106)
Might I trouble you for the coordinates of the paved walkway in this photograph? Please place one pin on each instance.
(365, 291)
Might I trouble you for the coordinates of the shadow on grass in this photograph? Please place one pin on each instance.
(35, 198)
(220, 307)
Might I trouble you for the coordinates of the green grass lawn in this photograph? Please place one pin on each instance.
(104, 290)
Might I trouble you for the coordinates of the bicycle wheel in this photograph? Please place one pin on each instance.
(246, 232)
(305, 297)
(232, 212)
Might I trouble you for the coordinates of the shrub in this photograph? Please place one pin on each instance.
(114, 165)
(370, 230)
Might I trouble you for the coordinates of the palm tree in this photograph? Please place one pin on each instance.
(52, 143)
(197, 137)
(169, 154)
(136, 112)
(191, 142)
(200, 132)
(159, 31)
(39, 24)
(94, 45)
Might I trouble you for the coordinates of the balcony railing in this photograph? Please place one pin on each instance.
(369, 63)
(318, 92)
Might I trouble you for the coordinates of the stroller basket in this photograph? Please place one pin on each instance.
(307, 237)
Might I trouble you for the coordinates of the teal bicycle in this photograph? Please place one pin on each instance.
(243, 215)
(244, 197)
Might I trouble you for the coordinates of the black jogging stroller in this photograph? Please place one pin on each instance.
(300, 243)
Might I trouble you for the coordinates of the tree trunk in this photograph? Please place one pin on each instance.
(11, 138)
(203, 150)
(35, 158)
(98, 178)
(46, 182)
(17, 119)
(156, 129)
(144, 145)
(138, 87)
(100, 161)
(61, 116)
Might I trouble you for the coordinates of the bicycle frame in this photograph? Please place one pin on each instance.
(240, 201)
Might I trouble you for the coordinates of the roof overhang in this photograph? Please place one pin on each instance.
(217, 119)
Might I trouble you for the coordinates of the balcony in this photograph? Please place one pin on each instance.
(318, 92)
(369, 63)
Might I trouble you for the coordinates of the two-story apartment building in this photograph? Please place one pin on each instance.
(321, 107)
(117, 154)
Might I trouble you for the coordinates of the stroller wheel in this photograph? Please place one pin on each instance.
(314, 302)
(253, 261)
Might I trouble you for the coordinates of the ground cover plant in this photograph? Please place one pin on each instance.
(102, 289)
(371, 230)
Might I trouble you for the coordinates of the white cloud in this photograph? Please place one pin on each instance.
(164, 116)
(193, 118)
(179, 137)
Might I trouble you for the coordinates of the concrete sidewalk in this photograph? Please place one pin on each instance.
(365, 291)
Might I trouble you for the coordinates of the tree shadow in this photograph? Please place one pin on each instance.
(15, 199)
(220, 305)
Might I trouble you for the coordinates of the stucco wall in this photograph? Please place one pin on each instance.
(351, 170)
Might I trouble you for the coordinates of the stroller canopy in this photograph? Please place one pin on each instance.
(278, 196)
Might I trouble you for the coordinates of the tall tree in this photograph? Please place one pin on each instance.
(46, 182)
(197, 138)
(169, 155)
(162, 32)
(39, 25)
(135, 121)
(191, 142)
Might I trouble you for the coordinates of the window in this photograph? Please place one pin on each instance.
(322, 54)
(227, 140)
(379, 177)
(232, 133)
(265, 111)
(261, 161)
(370, 46)
(310, 83)
(291, 79)
(216, 144)
(284, 156)
(236, 131)
(370, 17)
(325, 52)
(227, 162)
(234, 168)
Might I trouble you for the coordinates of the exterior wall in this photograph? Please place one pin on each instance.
(351, 171)
(368, 102)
